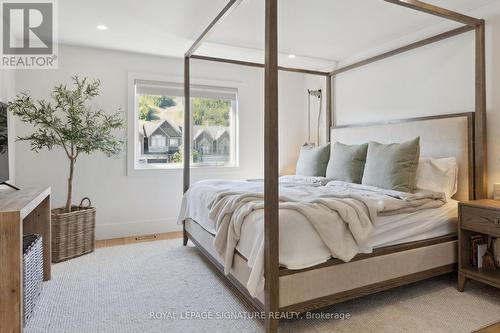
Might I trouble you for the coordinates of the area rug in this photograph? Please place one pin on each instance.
(162, 286)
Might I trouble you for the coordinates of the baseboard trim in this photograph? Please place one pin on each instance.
(138, 239)
(108, 231)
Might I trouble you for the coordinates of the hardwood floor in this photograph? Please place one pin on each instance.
(495, 328)
(137, 239)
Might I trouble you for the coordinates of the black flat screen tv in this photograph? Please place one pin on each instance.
(4, 144)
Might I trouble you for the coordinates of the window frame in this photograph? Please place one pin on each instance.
(133, 167)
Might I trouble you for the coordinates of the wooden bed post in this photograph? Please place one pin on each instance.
(437, 11)
(328, 119)
(231, 5)
(406, 48)
(258, 65)
(187, 136)
(334, 101)
(271, 213)
(480, 116)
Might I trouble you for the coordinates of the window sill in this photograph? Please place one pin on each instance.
(179, 169)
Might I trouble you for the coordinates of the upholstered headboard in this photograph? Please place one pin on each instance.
(440, 136)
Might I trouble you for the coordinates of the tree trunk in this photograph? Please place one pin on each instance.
(70, 184)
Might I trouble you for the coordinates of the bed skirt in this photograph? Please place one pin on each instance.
(324, 285)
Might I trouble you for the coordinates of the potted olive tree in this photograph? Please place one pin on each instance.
(69, 123)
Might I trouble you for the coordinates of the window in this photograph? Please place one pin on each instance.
(158, 142)
(175, 142)
(159, 121)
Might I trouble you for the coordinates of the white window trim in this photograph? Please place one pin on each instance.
(132, 130)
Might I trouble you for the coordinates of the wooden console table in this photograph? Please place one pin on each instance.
(26, 211)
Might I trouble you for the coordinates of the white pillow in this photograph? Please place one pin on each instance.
(438, 175)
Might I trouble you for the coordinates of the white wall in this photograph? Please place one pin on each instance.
(7, 84)
(431, 80)
(147, 203)
(435, 79)
(292, 132)
(7, 93)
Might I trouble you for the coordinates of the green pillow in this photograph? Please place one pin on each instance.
(392, 166)
(312, 161)
(347, 162)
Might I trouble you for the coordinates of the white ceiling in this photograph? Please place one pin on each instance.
(317, 31)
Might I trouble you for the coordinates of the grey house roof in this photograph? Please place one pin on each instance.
(215, 132)
(148, 128)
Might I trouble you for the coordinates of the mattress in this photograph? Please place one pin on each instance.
(301, 247)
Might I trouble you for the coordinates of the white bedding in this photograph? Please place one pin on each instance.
(300, 245)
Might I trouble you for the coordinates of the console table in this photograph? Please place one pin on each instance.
(25, 211)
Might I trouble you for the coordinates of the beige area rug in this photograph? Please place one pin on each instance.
(162, 286)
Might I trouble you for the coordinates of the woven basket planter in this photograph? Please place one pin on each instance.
(73, 234)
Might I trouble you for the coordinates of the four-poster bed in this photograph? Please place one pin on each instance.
(284, 289)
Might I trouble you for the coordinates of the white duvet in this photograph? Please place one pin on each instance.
(341, 214)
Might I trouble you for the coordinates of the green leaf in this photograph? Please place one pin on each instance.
(68, 121)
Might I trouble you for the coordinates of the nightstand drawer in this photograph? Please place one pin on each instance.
(481, 220)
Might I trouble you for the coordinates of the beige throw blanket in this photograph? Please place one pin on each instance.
(341, 213)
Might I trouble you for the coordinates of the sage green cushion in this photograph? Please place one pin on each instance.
(313, 161)
(392, 166)
(347, 162)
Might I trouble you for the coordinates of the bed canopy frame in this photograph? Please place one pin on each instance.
(271, 68)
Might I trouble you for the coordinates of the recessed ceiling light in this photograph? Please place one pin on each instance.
(291, 56)
(102, 27)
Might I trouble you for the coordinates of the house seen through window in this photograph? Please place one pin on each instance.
(160, 120)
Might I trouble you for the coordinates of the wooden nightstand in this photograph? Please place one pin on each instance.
(476, 217)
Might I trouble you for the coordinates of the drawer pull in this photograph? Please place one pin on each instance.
(491, 220)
